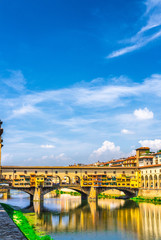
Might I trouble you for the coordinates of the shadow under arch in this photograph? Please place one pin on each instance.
(128, 192)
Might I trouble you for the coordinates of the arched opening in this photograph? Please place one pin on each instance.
(160, 181)
(151, 181)
(146, 182)
(75, 180)
(56, 180)
(142, 181)
(155, 181)
(117, 192)
(65, 180)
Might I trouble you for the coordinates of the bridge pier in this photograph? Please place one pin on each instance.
(93, 194)
(84, 197)
(6, 195)
(38, 194)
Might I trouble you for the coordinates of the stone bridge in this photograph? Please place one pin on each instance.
(66, 177)
(87, 193)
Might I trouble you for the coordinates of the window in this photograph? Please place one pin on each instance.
(46, 172)
(25, 172)
(56, 172)
(114, 172)
(15, 176)
(95, 172)
(35, 171)
(75, 172)
(14, 171)
(10, 176)
(123, 171)
(66, 172)
(132, 172)
(85, 172)
(104, 172)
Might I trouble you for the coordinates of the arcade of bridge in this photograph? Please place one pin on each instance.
(12, 172)
(68, 177)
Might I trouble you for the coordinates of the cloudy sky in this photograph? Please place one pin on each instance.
(80, 80)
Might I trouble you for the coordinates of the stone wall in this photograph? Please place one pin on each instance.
(149, 193)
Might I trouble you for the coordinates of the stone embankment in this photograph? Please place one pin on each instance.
(8, 229)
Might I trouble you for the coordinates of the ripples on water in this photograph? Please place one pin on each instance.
(66, 219)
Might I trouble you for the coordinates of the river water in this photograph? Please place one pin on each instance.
(65, 218)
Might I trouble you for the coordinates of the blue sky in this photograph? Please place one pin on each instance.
(80, 80)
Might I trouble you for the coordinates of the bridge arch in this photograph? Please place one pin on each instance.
(127, 192)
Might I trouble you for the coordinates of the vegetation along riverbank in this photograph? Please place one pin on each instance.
(20, 220)
(155, 200)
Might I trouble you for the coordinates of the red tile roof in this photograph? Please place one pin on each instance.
(146, 157)
(142, 148)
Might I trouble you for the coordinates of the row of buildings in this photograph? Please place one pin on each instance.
(143, 157)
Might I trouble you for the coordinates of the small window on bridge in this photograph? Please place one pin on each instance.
(95, 172)
(75, 172)
(46, 172)
(14, 171)
(10, 176)
(123, 171)
(104, 172)
(35, 171)
(114, 172)
(85, 172)
(66, 172)
(25, 172)
(56, 172)
(132, 172)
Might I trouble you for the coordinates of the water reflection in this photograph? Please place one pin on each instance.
(66, 218)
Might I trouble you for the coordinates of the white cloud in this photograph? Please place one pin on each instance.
(6, 156)
(106, 152)
(126, 131)
(144, 36)
(16, 80)
(87, 97)
(133, 153)
(153, 144)
(143, 41)
(47, 146)
(24, 110)
(107, 146)
(143, 114)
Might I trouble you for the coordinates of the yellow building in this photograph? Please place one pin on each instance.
(129, 182)
(21, 181)
(32, 180)
(130, 162)
(39, 181)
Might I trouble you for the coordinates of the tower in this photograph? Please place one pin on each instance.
(139, 152)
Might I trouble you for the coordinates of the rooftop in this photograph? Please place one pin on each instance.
(143, 148)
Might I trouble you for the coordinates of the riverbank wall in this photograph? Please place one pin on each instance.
(9, 230)
(151, 193)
